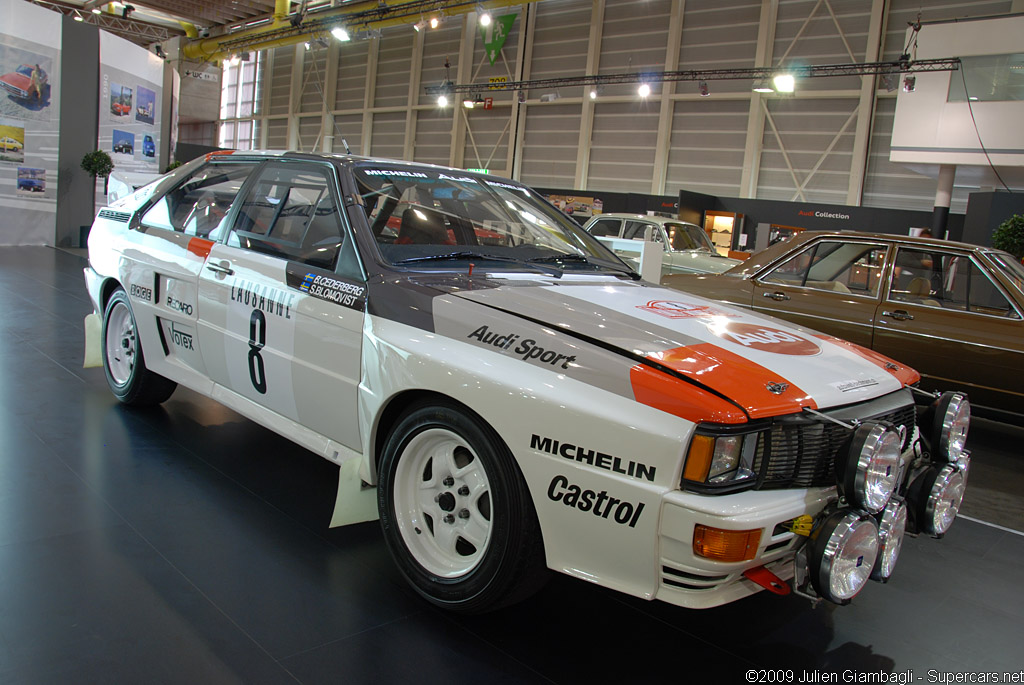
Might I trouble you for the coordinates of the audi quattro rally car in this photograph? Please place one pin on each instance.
(507, 395)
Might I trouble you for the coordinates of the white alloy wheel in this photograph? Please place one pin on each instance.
(443, 503)
(121, 343)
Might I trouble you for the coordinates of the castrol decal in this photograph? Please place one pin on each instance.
(764, 338)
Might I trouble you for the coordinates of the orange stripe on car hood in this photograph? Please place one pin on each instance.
(744, 382)
(904, 374)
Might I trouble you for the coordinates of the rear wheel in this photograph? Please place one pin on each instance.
(456, 514)
(123, 362)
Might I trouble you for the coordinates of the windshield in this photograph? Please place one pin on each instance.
(689, 237)
(1012, 269)
(429, 216)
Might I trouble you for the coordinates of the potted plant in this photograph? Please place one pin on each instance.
(1010, 236)
(97, 163)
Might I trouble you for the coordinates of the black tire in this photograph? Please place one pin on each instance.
(123, 361)
(446, 475)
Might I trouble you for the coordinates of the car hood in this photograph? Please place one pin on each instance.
(698, 260)
(763, 365)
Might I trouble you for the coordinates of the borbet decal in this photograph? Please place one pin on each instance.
(681, 310)
(592, 457)
(262, 297)
(600, 503)
(527, 348)
(765, 338)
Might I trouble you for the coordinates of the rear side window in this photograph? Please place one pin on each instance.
(603, 228)
(843, 267)
(198, 204)
(950, 281)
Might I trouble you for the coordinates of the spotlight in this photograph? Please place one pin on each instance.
(434, 22)
(703, 89)
(761, 86)
(78, 17)
(593, 93)
(485, 16)
(340, 33)
(442, 101)
(126, 11)
(469, 103)
(909, 83)
(233, 61)
(420, 25)
(97, 10)
(521, 96)
(306, 44)
(644, 90)
(785, 83)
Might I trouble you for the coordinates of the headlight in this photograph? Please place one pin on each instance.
(892, 523)
(842, 555)
(868, 468)
(950, 420)
(935, 498)
(720, 461)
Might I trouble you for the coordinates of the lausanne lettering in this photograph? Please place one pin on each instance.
(527, 349)
(263, 297)
(601, 503)
(593, 457)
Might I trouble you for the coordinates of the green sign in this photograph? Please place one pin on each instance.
(494, 35)
(480, 171)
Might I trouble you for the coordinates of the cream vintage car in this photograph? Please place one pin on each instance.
(507, 396)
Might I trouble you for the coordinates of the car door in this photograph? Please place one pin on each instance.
(832, 286)
(947, 317)
(282, 298)
(164, 256)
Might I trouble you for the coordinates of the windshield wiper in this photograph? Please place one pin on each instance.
(466, 254)
(582, 259)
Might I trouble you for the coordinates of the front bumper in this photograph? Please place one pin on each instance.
(696, 582)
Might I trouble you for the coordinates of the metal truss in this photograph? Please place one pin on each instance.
(756, 73)
(139, 32)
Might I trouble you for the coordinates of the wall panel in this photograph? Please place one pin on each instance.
(351, 84)
(280, 89)
(550, 141)
(707, 142)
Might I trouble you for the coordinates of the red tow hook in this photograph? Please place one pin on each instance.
(768, 580)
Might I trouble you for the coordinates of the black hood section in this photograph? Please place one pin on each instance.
(409, 299)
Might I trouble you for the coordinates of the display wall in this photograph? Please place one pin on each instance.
(30, 75)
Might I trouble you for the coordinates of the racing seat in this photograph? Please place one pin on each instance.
(422, 227)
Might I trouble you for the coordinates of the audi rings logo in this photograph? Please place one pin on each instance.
(766, 339)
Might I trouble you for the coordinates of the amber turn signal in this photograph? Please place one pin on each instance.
(698, 460)
(725, 545)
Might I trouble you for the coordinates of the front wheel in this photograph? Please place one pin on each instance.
(456, 514)
(123, 362)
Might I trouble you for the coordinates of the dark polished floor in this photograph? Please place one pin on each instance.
(188, 545)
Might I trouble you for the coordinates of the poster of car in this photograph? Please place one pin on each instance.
(12, 142)
(145, 105)
(31, 181)
(120, 100)
(24, 83)
(124, 143)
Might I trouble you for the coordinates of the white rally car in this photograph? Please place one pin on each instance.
(507, 395)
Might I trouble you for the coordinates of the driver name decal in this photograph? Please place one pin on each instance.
(765, 339)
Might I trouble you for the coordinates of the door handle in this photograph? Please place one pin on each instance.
(223, 268)
(777, 296)
(899, 315)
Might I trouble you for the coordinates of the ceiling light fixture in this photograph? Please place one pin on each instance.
(78, 17)
(761, 86)
(420, 25)
(97, 10)
(593, 93)
(644, 90)
(703, 89)
(909, 83)
(442, 101)
(485, 16)
(340, 33)
(785, 83)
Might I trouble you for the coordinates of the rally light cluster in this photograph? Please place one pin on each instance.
(883, 491)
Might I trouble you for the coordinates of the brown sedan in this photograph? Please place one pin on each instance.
(953, 311)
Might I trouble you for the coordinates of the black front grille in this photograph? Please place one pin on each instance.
(801, 453)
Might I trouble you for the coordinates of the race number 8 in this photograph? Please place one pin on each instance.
(257, 339)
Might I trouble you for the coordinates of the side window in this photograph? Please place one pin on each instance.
(635, 230)
(949, 281)
(843, 267)
(603, 228)
(198, 204)
(290, 212)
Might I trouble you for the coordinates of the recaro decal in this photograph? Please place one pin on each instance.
(764, 338)
(600, 503)
(681, 310)
(527, 349)
(585, 455)
(178, 305)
